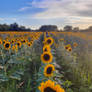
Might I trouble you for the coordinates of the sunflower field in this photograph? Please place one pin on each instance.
(45, 62)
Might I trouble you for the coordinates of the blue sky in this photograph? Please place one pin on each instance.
(34, 13)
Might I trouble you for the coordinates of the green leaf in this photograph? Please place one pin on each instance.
(15, 76)
(3, 78)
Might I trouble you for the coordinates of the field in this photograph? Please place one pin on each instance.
(45, 62)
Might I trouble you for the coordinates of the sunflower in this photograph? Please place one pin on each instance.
(46, 57)
(29, 44)
(48, 70)
(4, 41)
(75, 44)
(12, 41)
(23, 41)
(49, 41)
(7, 45)
(46, 48)
(16, 48)
(0, 41)
(67, 46)
(69, 49)
(19, 44)
(49, 86)
(13, 48)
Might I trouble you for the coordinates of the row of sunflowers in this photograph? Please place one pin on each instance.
(48, 68)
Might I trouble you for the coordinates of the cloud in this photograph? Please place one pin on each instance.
(24, 8)
(8, 19)
(60, 12)
(1, 19)
(60, 8)
(53, 9)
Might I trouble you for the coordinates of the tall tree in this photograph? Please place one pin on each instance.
(45, 28)
(68, 28)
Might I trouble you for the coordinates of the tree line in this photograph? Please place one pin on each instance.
(13, 27)
(43, 28)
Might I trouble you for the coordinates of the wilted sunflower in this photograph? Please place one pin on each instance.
(67, 46)
(69, 49)
(48, 70)
(49, 86)
(46, 48)
(7, 45)
(49, 41)
(46, 57)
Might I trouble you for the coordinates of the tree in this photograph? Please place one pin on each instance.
(76, 29)
(68, 28)
(4, 27)
(14, 27)
(90, 28)
(45, 28)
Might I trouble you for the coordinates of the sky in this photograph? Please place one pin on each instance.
(34, 13)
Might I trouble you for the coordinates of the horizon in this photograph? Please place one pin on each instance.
(34, 13)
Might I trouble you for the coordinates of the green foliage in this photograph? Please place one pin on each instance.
(17, 70)
(76, 67)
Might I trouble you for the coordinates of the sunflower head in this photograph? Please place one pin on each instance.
(46, 48)
(13, 48)
(49, 41)
(19, 44)
(7, 45)
(23, 41)
(69, 49)
(29, 44)
(67, 46)
(49, 86)
(75, 44)
(48, 70)
(46, 57)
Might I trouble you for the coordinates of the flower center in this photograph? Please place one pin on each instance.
(46, 57)
(7, 45)
(48, 89)
(48, 41)
(66, 47)
(28, 44)
(45, 49)
(49, 70)
(23, 41)
(18, 44)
